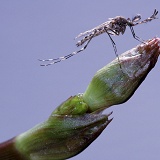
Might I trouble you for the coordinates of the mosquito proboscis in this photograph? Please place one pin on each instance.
(114, 26)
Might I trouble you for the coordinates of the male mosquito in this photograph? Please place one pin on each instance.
(114, 26)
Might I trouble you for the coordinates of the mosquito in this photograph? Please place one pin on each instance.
(112, 27)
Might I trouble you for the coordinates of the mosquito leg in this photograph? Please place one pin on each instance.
(56, 60)
(113, 43)
(149, 18)
(136, 37)
(83, 48)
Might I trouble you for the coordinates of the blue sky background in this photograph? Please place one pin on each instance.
(36, 29)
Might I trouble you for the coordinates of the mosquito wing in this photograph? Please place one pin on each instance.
(98, 28)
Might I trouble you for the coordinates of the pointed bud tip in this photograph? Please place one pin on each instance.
(153, 44)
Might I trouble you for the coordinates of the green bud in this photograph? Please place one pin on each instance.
(61, 136)
(116, 82)
(72, 106)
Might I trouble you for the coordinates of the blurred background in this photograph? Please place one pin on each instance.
(32, 30)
